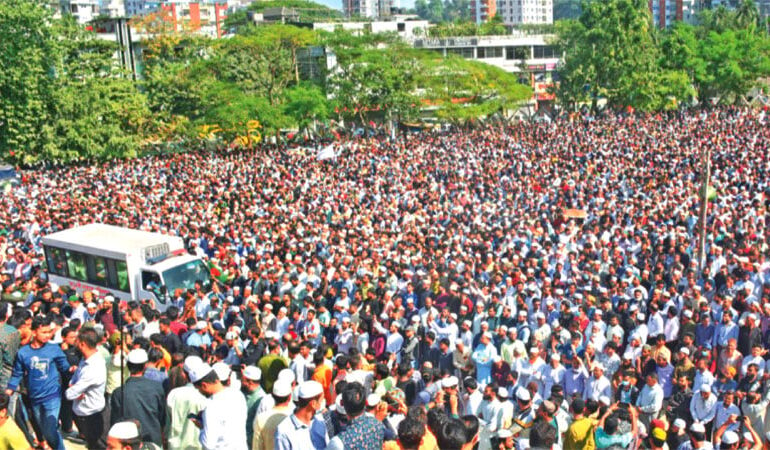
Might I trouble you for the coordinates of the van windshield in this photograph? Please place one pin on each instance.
(185, 275)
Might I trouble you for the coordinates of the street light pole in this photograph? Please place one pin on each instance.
(705, 178)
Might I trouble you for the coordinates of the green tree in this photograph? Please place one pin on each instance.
(457, 10)
(26, 77)
(63, 96)
(435, 10)
(723, 57)
(421, 9)
(306, 103)
(610, 52)
(460, 90)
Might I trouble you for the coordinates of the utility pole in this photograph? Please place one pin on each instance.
(705, 177)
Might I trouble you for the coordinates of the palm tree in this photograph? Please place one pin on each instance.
(747, 15)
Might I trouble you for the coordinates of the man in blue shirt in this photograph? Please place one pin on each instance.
(725, 331)
(40, 364)
(704, 332)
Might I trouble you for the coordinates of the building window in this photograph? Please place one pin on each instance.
(516, 52)
(545, 51)
(489, 52)
(401, 27)
(465, 52)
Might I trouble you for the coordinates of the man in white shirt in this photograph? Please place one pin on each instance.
(182, 401)
(703, 376)
(473, 397)
(754, 358)
(655, 324)
(299, 363)
(86, 390)
(703, 406)
(394, 341)
(427, 310)
(531, 369)
(598, 385)
(223, 421)
(344, 338)
(671, 329)
(552, 375)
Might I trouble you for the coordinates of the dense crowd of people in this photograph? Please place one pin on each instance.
(522, 286)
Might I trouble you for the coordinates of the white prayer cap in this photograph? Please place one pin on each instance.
(223, 371)
(310, 389)
(372, 400)
(253, 373)
(282, 388)
(199, 371)
(124, 430)
(137, 356)
(288, 375)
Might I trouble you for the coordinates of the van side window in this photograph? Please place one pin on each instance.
(76, 265)
(97, 270)
(122, 275)
(56, 261)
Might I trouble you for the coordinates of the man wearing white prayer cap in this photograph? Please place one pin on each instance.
(125, 436)
(223, 422)
(302, 430)
(181, 402)
(266, 422)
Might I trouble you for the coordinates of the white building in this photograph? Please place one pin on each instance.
(525, 12)
(530, 56)
(406, 29)
(112, 8)
(82, 10)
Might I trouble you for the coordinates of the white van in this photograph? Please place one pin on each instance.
(128, 264)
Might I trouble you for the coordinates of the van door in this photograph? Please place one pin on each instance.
(150, 287)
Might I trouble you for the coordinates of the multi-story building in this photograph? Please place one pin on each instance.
(483, 10)
(112, 8)
(204, 17)
(525, 12)
(361, 8)
(141, 7)
(385, 8)
(666, 12)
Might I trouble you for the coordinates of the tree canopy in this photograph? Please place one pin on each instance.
(613, 52)
(64, 98)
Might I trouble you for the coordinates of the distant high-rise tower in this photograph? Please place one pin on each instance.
(361, 8)
(525, 12)
(483, 10)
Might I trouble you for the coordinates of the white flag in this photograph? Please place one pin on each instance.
(326, 153)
